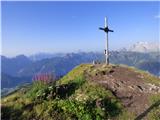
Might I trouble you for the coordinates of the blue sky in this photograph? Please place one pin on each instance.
(33, 27)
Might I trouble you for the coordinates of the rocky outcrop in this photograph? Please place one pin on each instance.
(127, 85)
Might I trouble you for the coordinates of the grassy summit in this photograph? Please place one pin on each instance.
(88, 92)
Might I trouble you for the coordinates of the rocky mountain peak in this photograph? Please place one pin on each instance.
(145, 47)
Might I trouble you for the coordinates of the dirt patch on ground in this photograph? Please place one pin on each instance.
(125, 84)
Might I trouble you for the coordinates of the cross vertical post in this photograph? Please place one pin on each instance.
(106, 30)
(107, 49)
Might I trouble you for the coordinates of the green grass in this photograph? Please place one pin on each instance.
(36, 90)
(76, 72)
(80, 103)
(154, 114)
(125, 116)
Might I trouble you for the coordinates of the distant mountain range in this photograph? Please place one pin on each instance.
(142, 47)
(12, 66)
(25, 66)
(40, 56)
(21, 69)
(10, 81)
(145, 47)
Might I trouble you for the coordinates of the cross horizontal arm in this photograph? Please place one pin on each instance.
(106, 29)
(101, 28)
(110, 30)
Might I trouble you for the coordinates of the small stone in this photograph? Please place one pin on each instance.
(132, 87)
(140, 88)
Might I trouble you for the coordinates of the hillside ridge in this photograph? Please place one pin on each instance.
(89, 92)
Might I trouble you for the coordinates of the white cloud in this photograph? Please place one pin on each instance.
(157, 16)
